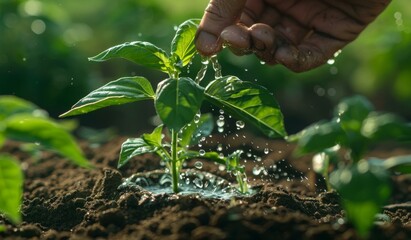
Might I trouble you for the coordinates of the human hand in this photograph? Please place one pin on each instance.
(299, 34)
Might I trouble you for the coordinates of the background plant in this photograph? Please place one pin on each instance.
(177, 101)
(23, 121)
(51, 68)
(363, 184)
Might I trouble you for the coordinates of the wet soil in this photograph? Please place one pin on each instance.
(62, 201)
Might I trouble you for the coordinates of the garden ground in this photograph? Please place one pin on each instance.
(62, 201)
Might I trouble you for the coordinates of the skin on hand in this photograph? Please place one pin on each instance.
(299, 34)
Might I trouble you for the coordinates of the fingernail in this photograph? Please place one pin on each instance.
(207, 43)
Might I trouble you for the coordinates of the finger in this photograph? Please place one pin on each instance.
(218, 15)
(237, 38)
(311, 53)
(263, 42)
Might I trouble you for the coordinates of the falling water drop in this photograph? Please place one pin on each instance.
(197, 118)
(198, 164)
(240, 124)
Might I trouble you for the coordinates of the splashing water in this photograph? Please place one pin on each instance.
(216, 67)
(191, 182)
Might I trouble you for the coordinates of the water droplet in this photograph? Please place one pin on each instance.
(201, 152)
(198, 164)
(197, 118)
(221, 167)
(219, 147)
(220, 122)
(240, 124)
(331, 61)
(257, 170)
(221, 111)
(198, 183)
(220, 129)
(266, 150)
(262, 62)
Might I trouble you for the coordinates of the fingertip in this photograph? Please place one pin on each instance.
(298, 60)
(207, 44)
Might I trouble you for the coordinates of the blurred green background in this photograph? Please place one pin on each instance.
(44, 47)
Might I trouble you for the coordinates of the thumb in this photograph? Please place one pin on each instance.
(218, 15)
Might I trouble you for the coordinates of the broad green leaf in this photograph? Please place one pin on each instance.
(318, 137)
(400, 164)
(249, 102)
(364, 189)
(352, 111)
(178, 101)
(11, 188)
(213, 156)
(182, 45)
(386, 126)
(45, 132)
(120, 91)
(133, 147)
(2, 228)
(11, 105)
(201, 126)
(142, 53)
(154, 138)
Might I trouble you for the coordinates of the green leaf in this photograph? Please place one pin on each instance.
(142, 53)
(386, 126)
(120, 91)
(318, 137)
(249, 102)
(233, 161)
(364, 189)
(400, 164)
(11, 188)
(11, 105)
(213, 156)
(182, 46)
(178, 101)
(154, 138)
(133, 147)
(47, 133)
(352, 111)
(200, 127)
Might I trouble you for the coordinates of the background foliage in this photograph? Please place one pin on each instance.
(44, 47)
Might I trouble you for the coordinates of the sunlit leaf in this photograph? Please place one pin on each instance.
(212, 156)
(45, 132)
(352, 111)
(182, 45)
(364, 189)
(400, 164)
(386, 126)
(196, 129)
(178, 101)
(318, 137)
(121, 91)
(11, 105)
(154, 138)
(142, 53)
(11, 188)
(249, 102)
(133, 147)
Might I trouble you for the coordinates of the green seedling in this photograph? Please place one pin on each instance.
(362, 183)
(23, 121)
(177, 101)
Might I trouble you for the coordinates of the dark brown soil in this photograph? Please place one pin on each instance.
(62, 201)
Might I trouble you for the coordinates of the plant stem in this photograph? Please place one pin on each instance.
(174, 170)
